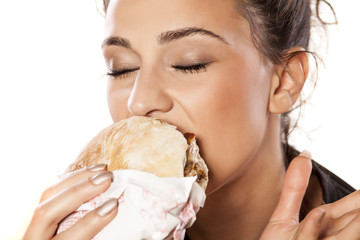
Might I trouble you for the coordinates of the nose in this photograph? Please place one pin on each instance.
(148, 96)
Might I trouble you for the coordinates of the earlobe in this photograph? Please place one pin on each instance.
(287, 81)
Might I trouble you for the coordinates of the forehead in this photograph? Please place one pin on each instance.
(177, 7)
(134, 17)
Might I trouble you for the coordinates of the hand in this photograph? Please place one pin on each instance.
(339, 220)
(66, 196)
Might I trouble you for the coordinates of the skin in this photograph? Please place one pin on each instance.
(226, 105)
(233, 106)
(64, 197)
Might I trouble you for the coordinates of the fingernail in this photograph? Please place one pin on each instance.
(107, 207)
(97, 167)
(306, 154)
(321, 217)
(101, 178)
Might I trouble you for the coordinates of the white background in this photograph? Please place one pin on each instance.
(52, 98)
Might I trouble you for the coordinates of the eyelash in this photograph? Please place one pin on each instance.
(190, 69)
(195, 68)
(123, 73)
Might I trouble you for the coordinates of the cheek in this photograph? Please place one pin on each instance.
(117, 96)
(230, 115)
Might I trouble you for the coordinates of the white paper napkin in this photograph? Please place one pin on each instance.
(150, 207)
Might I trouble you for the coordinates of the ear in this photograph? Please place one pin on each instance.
(288, 80)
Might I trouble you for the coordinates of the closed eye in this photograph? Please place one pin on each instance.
(122, 73)
(194, 68)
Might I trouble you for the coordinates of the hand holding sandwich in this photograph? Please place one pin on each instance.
(66, 196)
(140, 143)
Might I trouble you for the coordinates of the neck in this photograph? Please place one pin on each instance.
(242, 208)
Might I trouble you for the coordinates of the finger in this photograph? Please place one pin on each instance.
(336, 225)
(293, 190)
(92, 223)
(50, 212)
(351, 231)
(72, 179)
(310, 227)
(344, 205)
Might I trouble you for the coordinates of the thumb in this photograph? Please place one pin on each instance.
(293, 190)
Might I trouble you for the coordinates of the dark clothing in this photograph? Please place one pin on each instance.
(333, 187)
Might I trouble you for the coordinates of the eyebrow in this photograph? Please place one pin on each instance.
(170, 36)
(116, 41)
(165, 37)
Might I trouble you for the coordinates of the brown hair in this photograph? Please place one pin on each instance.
(277, 26)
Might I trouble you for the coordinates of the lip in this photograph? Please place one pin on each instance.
(178, 127)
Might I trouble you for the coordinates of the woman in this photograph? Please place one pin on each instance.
(228, 71)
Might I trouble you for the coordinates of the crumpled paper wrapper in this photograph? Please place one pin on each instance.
(150, 207)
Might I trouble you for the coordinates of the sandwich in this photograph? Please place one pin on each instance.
(145, 144)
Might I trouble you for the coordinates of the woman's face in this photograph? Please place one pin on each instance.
(193, 64)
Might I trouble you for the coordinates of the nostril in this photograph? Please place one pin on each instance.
(148, 107)
(146, 103)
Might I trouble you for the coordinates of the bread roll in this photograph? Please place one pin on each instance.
(145, 144)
